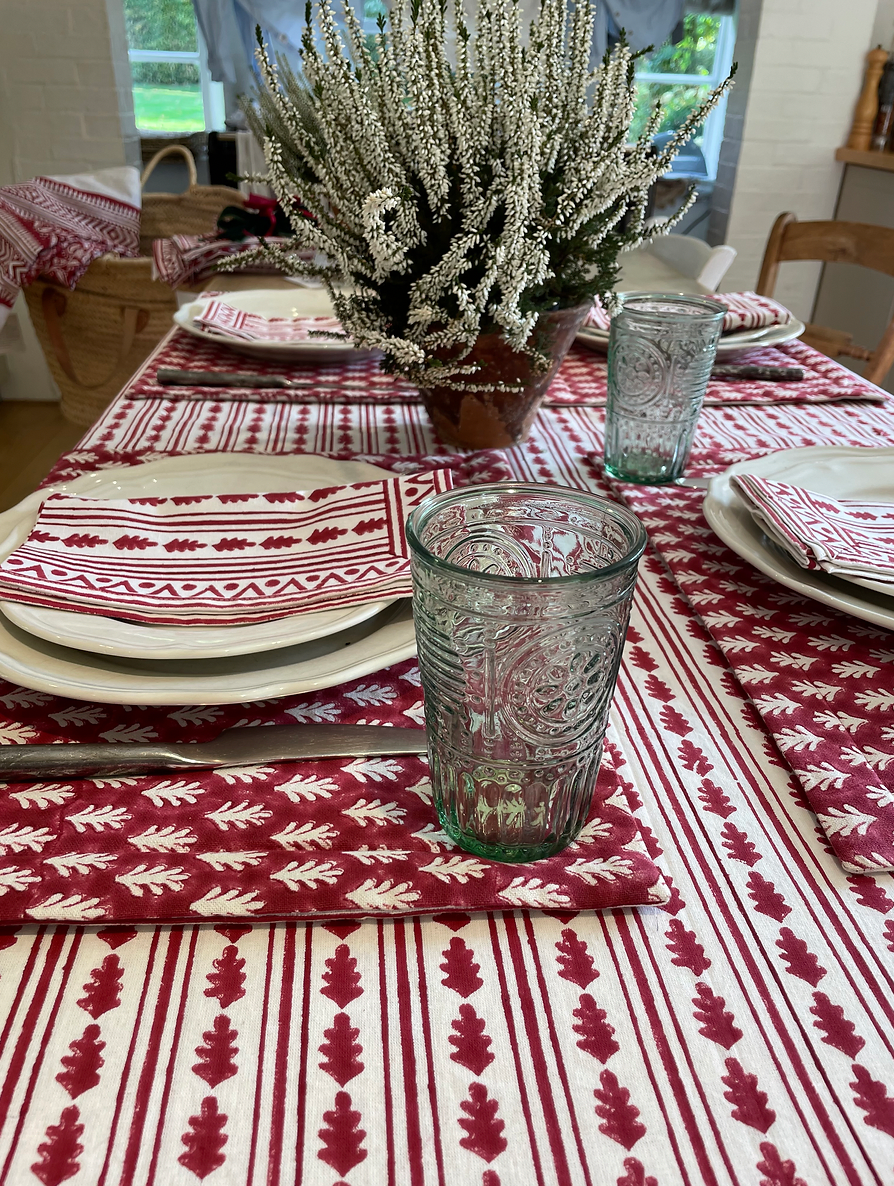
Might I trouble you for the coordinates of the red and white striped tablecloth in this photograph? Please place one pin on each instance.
(740, 1033)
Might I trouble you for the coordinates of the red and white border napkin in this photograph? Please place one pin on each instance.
(840, 536)
(187, 259)
(222, 318)
(56, 227)
(745, 310)
(228, 558)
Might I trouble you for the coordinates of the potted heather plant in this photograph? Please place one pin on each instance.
(469, 190)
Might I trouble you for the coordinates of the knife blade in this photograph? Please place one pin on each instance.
(234, 747)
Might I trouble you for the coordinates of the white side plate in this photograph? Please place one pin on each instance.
(838, 471)
(727, 347)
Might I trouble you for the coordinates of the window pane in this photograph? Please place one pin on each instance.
(693, 54)
(677, 101)
(160, 108)
(161, 24)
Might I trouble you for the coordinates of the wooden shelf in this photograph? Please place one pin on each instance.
(869, 160)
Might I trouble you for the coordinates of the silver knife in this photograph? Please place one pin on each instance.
(234, 747)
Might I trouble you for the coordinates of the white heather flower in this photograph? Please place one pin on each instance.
(459, 180)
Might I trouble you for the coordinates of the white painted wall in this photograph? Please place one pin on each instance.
(805, 75)
(65, 107)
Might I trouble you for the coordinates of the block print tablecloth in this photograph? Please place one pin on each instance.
(582, 379)
(739, 1033)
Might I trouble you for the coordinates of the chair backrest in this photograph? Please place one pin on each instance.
(831, 242)
(694, 259)
(834, 242)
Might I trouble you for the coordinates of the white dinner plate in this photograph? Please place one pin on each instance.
(201, 473)
(838, 471)
(729, 344)
(272, 302)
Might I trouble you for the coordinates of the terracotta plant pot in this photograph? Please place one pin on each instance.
(497, 419)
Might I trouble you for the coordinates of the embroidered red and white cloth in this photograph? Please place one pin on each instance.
(739, 1033)
(222, 318)
(188, 259)
(237, 558)
(744, 310)
(57, 226)
(841, 536)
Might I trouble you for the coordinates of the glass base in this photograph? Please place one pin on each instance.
(512, 811)
(641, 471)
(510, 854)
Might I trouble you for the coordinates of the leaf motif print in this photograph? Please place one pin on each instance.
(595, 869)
(341, 978)
(98, 819)
(595, 1034)
(102, 991)
(43, 795)
(81, 863)
(60, 1150)
(342, 1136)
(218, 1054)
(227, 902)
(620, 1119)
(374, 811)
(21, 838)
(471, 1044)
(450, 869)
(341, 1051)
(749, 1104)
(244, 774)
(238, 815)
(383, 895)
(74, 908)
(221, 861)
(81, 1066)
(716, 1022)
(164, 839)
(374, 769)
(309, 787)
(482, 1125)
(155, 879)
(173, 793)
(837, 1030)
(296, 876)
(306, 835)
(686, 950)
(460, 968)
(778, 1172)
(574, 959)
(534, 893)
(227, 981)
(205, 1140)
(798, 958)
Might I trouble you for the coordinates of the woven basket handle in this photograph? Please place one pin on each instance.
(53, 302)
(172, 150)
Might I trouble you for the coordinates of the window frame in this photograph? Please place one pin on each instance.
(212, 92)
(712, 136)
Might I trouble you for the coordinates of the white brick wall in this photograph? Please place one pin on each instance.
(65, 107)
(805, 75)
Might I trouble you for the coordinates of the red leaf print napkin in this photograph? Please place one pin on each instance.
(849, 538)
(232, 558)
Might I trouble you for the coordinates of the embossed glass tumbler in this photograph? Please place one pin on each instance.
(660, 352)
(521, 598)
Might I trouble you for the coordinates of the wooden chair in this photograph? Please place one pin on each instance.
(834, 242)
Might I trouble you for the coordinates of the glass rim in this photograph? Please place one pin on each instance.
(712, 310)
(435, 501)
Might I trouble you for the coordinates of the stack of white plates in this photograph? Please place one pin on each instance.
(838, 471)
(729, 344)
(90, 657)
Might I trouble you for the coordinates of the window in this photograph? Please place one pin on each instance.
(172, 90)
(681, 74)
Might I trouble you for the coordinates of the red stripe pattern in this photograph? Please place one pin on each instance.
(739, 1032)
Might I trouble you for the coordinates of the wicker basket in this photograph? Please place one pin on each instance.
(95, 336)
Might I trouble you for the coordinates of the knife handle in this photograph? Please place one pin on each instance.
(83, 760)
(170, 376)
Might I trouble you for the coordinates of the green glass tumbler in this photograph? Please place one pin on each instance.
(521, 600)
(660, 352)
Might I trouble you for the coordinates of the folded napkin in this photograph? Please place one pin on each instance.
(57, 226)
(231, 558)
(252, 327)
(745, 310)
(186, 259)
(846, 537)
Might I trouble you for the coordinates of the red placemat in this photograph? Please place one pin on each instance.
(328, 839)
(805, 667)
(582, 379)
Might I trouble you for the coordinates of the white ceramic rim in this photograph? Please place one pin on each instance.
(836, 470)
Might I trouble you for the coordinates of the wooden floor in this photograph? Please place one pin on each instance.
(32, 435)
